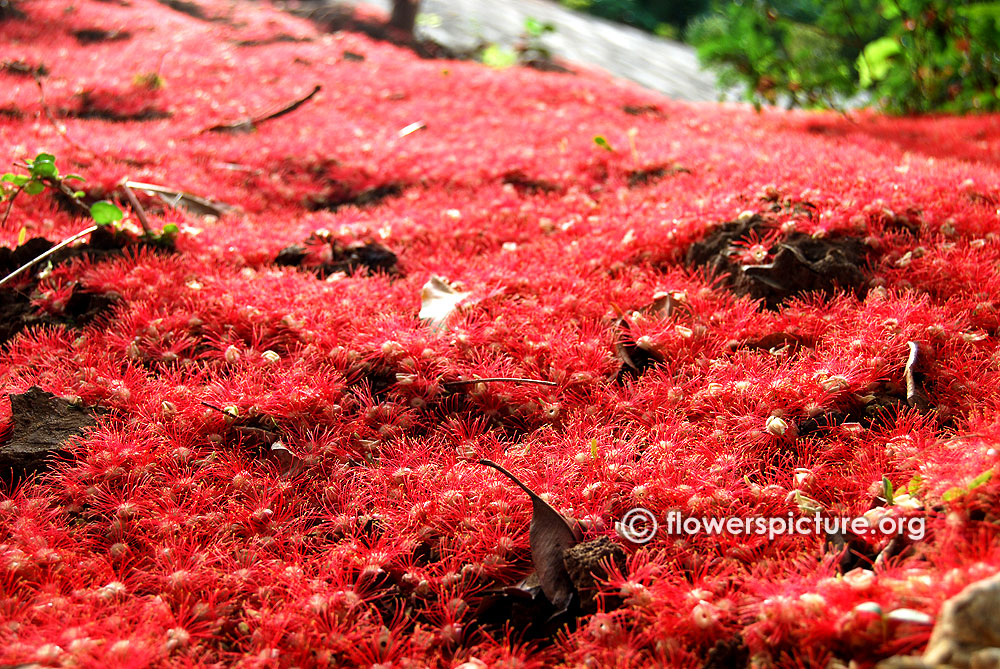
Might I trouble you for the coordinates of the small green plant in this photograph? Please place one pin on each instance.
(600, 141)
(494, 55)
(42, 173)
(531, 46)
(529, 49)
(151, 81)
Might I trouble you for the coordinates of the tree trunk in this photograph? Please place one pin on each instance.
(404, 15)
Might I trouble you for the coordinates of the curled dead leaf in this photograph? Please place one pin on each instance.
(438, 301)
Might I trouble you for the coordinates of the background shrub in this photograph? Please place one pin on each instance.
(907, 55)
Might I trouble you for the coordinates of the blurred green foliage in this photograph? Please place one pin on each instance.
(664, 17)
(909, 56)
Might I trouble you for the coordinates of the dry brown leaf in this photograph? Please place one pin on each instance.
(550, 535)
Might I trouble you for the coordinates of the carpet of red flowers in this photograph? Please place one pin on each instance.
(169, 537)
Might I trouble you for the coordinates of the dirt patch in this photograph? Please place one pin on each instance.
(17, 312)
(587, 563)
(338, 195)
(115, 108)
(16, 309)
(23, 69)
(727, 653)
(324, 256)
(276, 39)
(42, 424)
(526, 184)
(648, 175)
(545, 65)
(785, 264)
(8, 11)
(192, 9)
(97, 35)
(643, 110)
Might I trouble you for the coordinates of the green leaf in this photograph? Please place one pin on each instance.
(498, 57)
(44, 165)
(34, 187)
(44, 170)
(913, 487)
(73, 176)
(876, 60)
(104, 212)
(170, 229)
(952, 493)
(981, 479)
(77, 194)
(535, 28)
(603, 143)
(887, 490)
(16, 179)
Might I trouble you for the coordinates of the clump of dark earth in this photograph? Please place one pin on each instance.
(339, 195)
(800, 263)
(42, 424)
(281, 38)
(648, 175)
(545, 64)
(727, 653)
(640, 110)
(369, 256)
(16, 310)
(192, 9)
(23, 69)
(8, 11)
(587, 563)
(97, 35)
(105, 242)
(97, 107)
(526, 184)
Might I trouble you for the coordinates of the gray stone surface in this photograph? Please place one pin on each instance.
(659, 64)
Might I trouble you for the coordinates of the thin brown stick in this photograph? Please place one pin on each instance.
(10, 204)
(248, 428)
(467, 382)
(136, 207)
(253, 121)
(216, 407)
